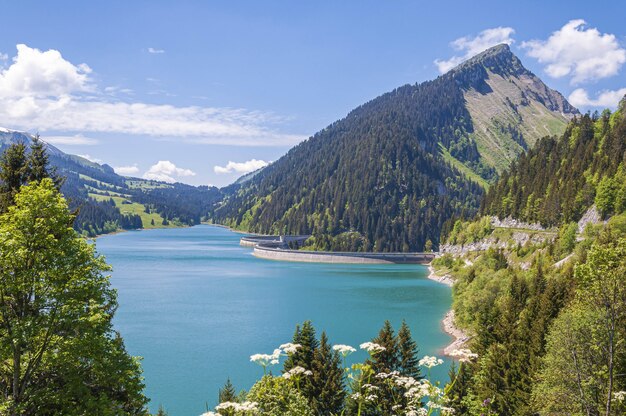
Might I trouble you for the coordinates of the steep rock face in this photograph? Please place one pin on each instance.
(510, 107)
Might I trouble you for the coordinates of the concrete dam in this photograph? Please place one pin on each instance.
(273, 247)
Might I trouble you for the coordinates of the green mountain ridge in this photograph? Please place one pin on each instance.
(559, 179)
(107, 202)
(395, 169)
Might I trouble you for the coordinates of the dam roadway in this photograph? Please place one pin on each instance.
(276, 248)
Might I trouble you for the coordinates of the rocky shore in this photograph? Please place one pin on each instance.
(448, 324)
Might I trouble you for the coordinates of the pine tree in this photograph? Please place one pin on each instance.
(387, 360)
(326, 390)
(13, 173)
(408, 362)
(384, 362)
(38, 168)
(304, 336)
(227, 393)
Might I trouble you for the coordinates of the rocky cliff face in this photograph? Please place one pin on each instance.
(510, 107)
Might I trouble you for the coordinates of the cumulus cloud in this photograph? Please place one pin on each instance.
(43, 91)
(77, 139)
(91, 158)
(575, 50)
(240, 167)
(156, 51)
(126, 170)
(166, 171)
(607, 98)
(42, 74)
(471, 46)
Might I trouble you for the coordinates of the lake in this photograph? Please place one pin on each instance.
(195, 305)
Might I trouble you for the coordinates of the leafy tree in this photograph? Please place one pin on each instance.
(277, 396)
(602, 288)
(57, 341)
(606, 195)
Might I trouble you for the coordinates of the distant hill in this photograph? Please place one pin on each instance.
(559, 179)
(107, 202)
(388, 175)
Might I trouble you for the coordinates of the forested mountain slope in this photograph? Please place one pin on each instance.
(107, 202)
(559, 179)
(386, 177)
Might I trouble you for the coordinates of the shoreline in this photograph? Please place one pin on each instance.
(448, 324)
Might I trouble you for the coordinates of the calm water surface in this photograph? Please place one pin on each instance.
(195, 305)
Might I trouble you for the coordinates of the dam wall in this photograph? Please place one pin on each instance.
(272, 253)
(272, 240)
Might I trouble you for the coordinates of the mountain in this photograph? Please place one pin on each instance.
(107, 202)
(510, 107)
(559, 179)
(388, 175)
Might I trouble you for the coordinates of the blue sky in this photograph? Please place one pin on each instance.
(200, 92)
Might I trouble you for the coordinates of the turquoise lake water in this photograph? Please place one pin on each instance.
(195, 305)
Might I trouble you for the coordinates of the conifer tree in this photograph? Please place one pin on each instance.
(408, 362)
(38, 162)
(305, 336)
(13, 173)
(326, 386)
(227, 393)
(387, 360)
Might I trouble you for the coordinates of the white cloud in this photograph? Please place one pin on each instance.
(77, 139)
(166, 171)
(156, 51)
(471, 46)
(42, 74)
(240, 167)
(583, 53)
(42, 91)
(126, 170)
(607, 98)
(91, 159)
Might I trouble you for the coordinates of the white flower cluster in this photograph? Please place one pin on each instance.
(372, 347)
(297, 371)
(619, 396)
(464, 355)
(266, 359)
(272, 359)
(443, 409)
(235, 407)
(290, 348)
(430, 362)
(344, 350)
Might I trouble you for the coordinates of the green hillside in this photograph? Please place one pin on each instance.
(395, 169)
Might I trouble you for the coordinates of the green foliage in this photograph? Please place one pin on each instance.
(53, 286)
(557, 180)
(326, 390)
(227, 393)
(567, 238)
(375, 178)
(276, 396)
(465, 232)
(305, 337)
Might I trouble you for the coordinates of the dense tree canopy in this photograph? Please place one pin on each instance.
(57, 342)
